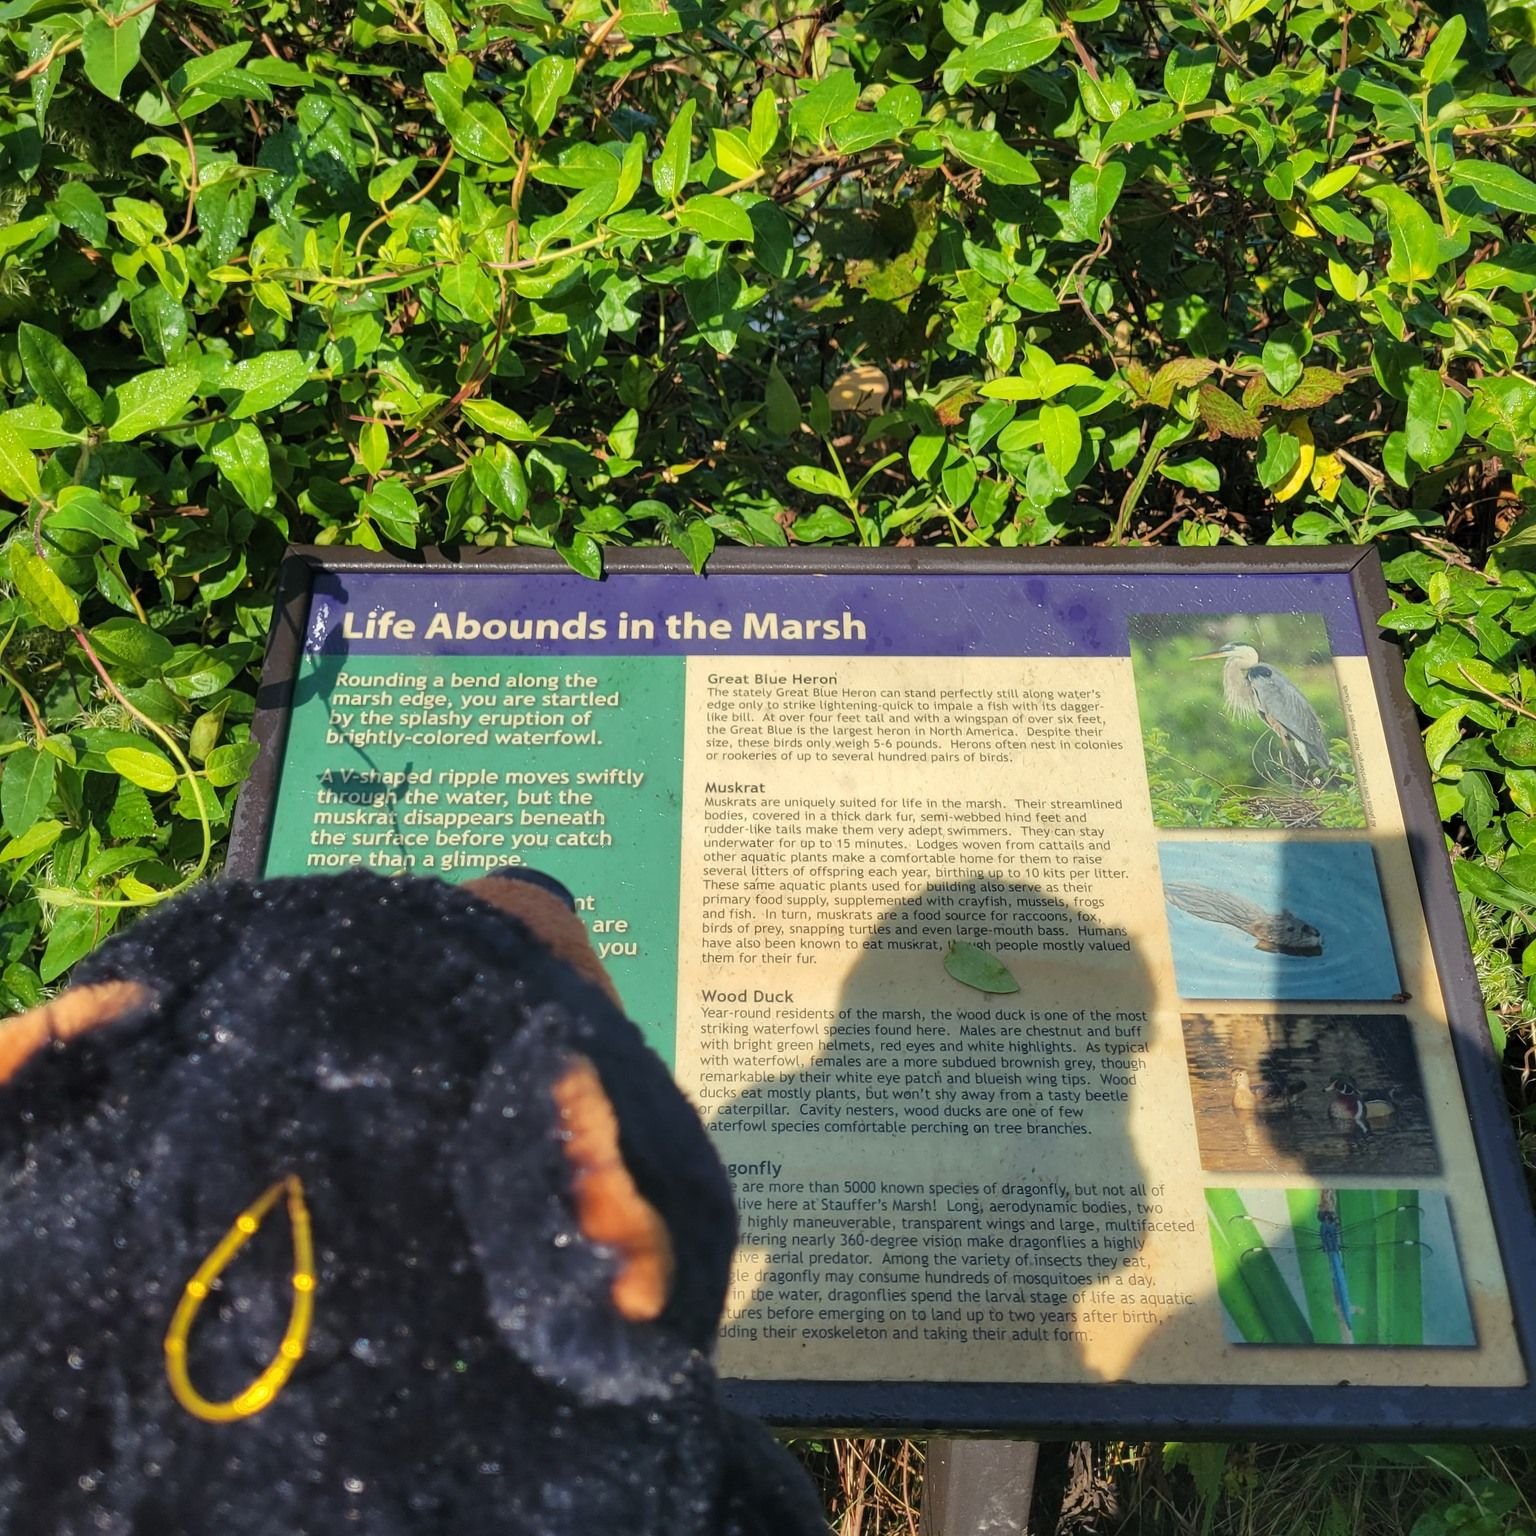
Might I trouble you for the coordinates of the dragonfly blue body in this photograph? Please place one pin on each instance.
(1334, 1239)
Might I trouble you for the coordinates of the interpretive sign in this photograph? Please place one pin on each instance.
(1060, 948)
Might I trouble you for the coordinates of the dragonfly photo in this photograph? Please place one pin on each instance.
(1338, 1267)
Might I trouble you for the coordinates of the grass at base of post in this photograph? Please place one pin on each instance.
(873, 1487)
(870, 1487)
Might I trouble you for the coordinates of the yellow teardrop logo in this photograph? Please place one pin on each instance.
(274, 1378)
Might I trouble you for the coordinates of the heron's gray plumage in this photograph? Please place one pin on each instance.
(1251, 687)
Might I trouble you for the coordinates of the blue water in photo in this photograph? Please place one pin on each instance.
(1332, 886)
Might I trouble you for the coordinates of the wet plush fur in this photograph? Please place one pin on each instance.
(398, 1045)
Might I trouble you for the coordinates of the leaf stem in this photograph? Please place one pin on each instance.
(1150, 460)
(1497, 697)
(38, 66)
(27, 701)
(61, 898)
(193, 185)
(1429, 163)
(415, 197)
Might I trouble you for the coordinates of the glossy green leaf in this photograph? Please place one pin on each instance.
(27, 236)
(1091, 196)
(151, 400)
(260, 383)
(1061, 435)
(1442, 55)
(624, 434)
(1199, 474)
(1279, 454)
(499, 419)
(205, 732)
(38, 838)
(229, 765)
(997, 161)
(695, 540)
(1188, 74)
(669, 171)
(826, 103)
(478, 131)
(715, 219)
(85, 511)
(820, 482)
(1517, 744)
(47, 599)
(732, 153)
(26, 788)
(206, 68)
(500, 478)
(144, 766)
(1418, 246)
(1501, 185)
(37, 426)
(978, 968)
(1282, 365)
(823, 523)
(439, 26)
(1436, 418)
(649, 18)
(125, 642)
(18, 469)
(243, 459)
(110, 51)
(1008, 52)
(547, 84)
(636, 225)
(631, 174)
(764, 131)
(395, 510)
(863, 130)
(56, 374)
(77, 931)
(959, 480)
(78, 207)
(1143, 123)
(1487, 885)
(583, 554)
(1443, 734)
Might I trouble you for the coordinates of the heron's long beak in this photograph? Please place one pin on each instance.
(1210, 656)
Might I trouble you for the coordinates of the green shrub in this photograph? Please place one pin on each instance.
(458, 272)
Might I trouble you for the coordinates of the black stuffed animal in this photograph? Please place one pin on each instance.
(352, 1204)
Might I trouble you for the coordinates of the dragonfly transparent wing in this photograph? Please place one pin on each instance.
(1338, 1267)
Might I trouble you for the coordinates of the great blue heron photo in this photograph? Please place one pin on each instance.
(1264, 743)
(1251, 688)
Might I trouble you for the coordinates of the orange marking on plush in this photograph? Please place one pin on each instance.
(21, 1038)
(609, 1208)
(553, 923)
(70, 1015)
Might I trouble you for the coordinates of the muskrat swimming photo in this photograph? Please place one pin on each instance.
(1281, 933)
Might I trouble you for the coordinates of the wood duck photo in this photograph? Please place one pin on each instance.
(1312, 1093)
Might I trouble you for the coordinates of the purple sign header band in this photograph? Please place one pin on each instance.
(490, 613)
